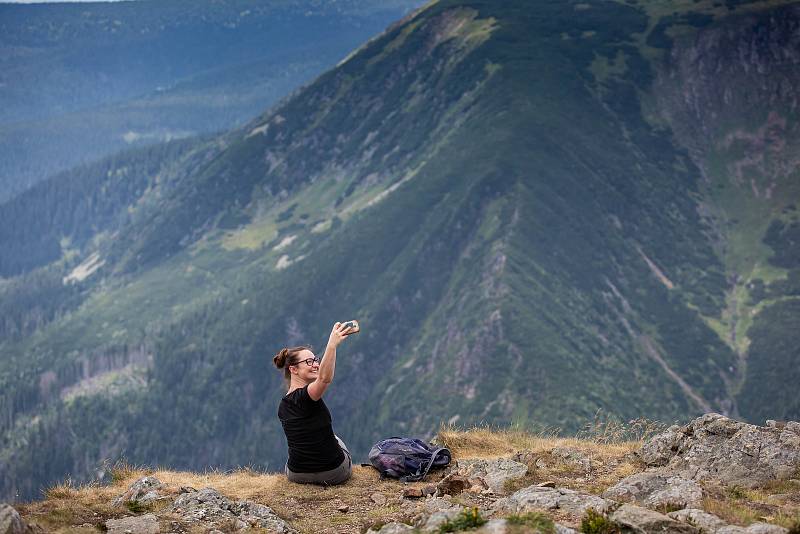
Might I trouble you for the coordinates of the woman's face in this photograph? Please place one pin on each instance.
(301, 369)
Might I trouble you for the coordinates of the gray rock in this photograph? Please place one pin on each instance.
(571, 455)
(493, 526)
(535, 498)
(661, 448)
(644, 521)
(143, 491)
(11, 522)
(496, 472)
(142, 524)
(714, 447)
(432, 522)
(501, 526)
(708, 523)
(755, 528)
(208, 505)
(392, 528)
(655, 489)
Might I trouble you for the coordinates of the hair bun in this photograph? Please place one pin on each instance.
(280, 358)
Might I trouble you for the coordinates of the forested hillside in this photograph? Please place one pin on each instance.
(535, 212)
(82, 81)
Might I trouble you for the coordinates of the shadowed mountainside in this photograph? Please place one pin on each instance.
(527, 209)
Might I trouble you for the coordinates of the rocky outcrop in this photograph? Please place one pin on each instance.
(146, 490)
(143, 524)
(657, 489)
(496, 472)
(536, 498)
(755, 528)
(208, 505)
(714, 447)
(392, 528)
(643, 521)
(11, 522)
(711, 524)
(706, 522)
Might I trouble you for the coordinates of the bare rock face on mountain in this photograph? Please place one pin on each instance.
(714, 447)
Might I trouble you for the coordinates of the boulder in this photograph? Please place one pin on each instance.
(755, 528)
(714, 447)
(643, 521)
(573, 456)
(502, 526)
(208, 505)
(392, 528)
(708, 523)
(535, 498)
(141, 524)
(495, 471)
(493, 526)
(144, 491)
(437, 511)
(656, 489)
(11, 522)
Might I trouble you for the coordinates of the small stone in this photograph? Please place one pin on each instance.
(548, 484)
(453, 485)
(430, 489)
(541, 464)
(413, 493)
(378, 498)
(344, 508)
(478, 481)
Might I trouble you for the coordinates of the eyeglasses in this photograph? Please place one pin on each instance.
(309, 361)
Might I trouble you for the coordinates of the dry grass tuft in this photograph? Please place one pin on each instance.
(609, 461)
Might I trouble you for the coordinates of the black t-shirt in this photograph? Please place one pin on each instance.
(307, 424)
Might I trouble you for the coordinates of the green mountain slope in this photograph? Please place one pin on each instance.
(80, 81)
(518, 205)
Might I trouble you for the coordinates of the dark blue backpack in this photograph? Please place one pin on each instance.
(408, 459)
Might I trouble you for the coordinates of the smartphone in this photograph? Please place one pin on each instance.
(353, 325)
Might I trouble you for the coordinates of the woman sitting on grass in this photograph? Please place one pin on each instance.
(316, 454)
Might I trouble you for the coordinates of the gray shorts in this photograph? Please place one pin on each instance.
(331, 477)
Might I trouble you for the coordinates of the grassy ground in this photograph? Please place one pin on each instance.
(312, 509)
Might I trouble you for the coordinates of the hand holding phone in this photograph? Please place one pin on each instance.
(351, 327)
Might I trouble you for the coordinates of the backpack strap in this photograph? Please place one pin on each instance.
(419, 476)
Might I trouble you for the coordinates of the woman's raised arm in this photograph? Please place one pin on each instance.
(328, 364)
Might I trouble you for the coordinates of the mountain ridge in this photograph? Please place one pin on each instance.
(503, 210)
